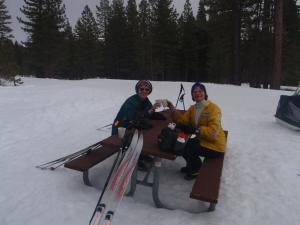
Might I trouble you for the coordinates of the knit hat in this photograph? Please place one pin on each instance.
(143, 83)
(201, 86)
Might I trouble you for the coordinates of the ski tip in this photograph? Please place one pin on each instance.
(100, 207)
(109, 215)
(42, 168)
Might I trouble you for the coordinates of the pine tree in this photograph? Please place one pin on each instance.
(203, 43)
(220, 27)
(277, 52)
(257, 42)
(132, 38)
(188, 42)
(103, 13)
(115, 44)
(201, 12)
(5, 30)
(291, 43)
(88, 52)
(45, 23)
(8, 66)
(67, 67)
(145, 41)
(236, 78)
(165, 40)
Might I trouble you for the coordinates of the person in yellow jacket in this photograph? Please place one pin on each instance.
(203, 119)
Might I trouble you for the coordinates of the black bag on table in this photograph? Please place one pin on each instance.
(170, 141)
(166, 139)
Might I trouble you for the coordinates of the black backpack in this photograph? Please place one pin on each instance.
(166, 139)
(170, 140)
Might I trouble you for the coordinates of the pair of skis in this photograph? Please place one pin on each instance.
(118, 179)
(52, 165)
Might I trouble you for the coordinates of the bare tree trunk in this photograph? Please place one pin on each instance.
(277, 57)
(236, 41)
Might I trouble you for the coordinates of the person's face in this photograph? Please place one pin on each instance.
(143, 91)
(198, 94)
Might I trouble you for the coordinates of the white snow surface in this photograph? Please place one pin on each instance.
(45, 119)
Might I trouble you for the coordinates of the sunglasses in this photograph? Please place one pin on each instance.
(144, 89)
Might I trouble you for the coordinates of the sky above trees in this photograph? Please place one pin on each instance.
(73, 10)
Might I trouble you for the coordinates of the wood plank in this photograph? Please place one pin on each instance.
(89, 160)
(110, 146)
(207, 184)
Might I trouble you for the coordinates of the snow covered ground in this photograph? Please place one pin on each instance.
(45, 119)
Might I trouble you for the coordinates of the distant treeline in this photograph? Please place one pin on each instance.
(228, 41)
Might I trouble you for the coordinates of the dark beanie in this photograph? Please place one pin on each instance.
(201, 86)
(143, 83)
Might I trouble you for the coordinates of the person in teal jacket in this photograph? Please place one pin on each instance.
(136, 107)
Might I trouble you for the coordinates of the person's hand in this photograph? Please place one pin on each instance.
(170, 105)
(154, 107)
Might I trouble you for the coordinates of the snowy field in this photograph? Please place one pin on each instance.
(45, 119)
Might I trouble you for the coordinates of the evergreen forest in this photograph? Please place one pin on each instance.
(225, 41)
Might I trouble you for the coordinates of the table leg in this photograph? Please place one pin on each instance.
(133, 182)
(211, 207)
(86, 180)
(155, 187)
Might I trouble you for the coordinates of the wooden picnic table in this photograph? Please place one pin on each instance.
(206, 186)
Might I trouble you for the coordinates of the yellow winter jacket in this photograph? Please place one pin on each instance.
(209, 124)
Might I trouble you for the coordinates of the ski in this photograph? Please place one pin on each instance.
(66, 158)
(122, 167)
(112, 181)
(117, 194)
(108, 218)
(126, 177)
(98, 214)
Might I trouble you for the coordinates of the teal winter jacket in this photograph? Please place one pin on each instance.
(131, 110)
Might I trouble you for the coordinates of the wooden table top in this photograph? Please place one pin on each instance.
(150, 146)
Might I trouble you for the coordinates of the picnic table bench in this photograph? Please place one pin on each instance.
(83, 163)
(207, 184)
(205, 188)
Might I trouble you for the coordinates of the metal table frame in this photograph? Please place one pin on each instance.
(155, 168)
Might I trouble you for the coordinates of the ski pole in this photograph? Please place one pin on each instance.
(181, 88)
(57, 164)
(182, 99)
(67, 156)
(181, 96)
(52, 167)
(100, 128)
(62, 162)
